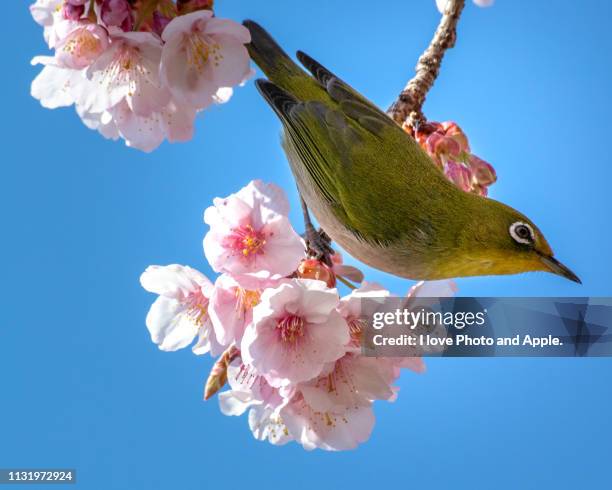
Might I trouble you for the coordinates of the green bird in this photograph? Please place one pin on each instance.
(376, 192)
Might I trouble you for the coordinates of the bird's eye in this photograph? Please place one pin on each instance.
(522, 232)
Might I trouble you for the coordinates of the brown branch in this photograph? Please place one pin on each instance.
(408, 106)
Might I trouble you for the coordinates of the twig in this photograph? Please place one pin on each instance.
(408, 106)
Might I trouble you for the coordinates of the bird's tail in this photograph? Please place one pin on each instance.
(278, 66)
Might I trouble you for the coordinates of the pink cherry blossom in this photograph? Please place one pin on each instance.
(101, 122)
(355, 310)
(181, 311)
(351, 381)
(295, 331)
(128, 71)
(81, 47)
(231, 309)
(334, 411)
(48, 14)
(57, 86)
(251, 237)
(43, 11)
(203, 54)
(146, 133)
(334, 430)
(56, 25)
(249, 391)
(444, 288)
(347, 271)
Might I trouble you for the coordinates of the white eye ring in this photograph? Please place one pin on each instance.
(517, 237)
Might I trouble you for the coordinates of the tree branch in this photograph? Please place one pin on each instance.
(408, 106)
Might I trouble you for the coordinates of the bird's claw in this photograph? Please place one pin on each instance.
(318, 245)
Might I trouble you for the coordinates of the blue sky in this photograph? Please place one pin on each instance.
(84, 387)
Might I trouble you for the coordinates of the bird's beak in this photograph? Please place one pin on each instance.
(556, 267)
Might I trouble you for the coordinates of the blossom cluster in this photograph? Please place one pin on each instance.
(449, 148)
(288, 344)
(139, 70)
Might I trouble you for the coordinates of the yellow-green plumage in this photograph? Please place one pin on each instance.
(375, 191)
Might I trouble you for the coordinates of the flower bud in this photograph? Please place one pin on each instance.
(73, 12)
(483, 172)
(452, 130)
(458, 174)
(481, 190)
(315, 269)
(218, 374)
(159, 23)
(117, 13)
(438, 144)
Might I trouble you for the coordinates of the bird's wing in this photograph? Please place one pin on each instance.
(351, 102)
(351, 155)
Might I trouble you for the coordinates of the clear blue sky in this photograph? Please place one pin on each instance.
(83, 386)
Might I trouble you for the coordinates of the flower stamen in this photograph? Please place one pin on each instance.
(291, 329)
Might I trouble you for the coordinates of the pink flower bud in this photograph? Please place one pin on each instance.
(452, 130)
(458, 174)
(73, 12)
(315, 269)
(82, 46)
(481, 190)
(117, 13)
(483, 172)
(159, 23)
(438, 144)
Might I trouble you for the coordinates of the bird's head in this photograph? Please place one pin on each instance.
(504, 241)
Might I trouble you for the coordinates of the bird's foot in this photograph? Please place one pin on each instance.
(318, 245)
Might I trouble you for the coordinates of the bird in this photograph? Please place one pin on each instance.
(376, 193)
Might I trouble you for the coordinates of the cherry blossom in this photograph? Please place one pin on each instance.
(295, 331)
(49, 14)
(334, 411)
(251, 237)
(347, 271)
(128, 71)
(146, 133)
(288, 346)
(56, 86)
(231, 309)
(180, 313)
(353, 309)
(203, 54)
(137, 74)
(250, 391)
(82, 46)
